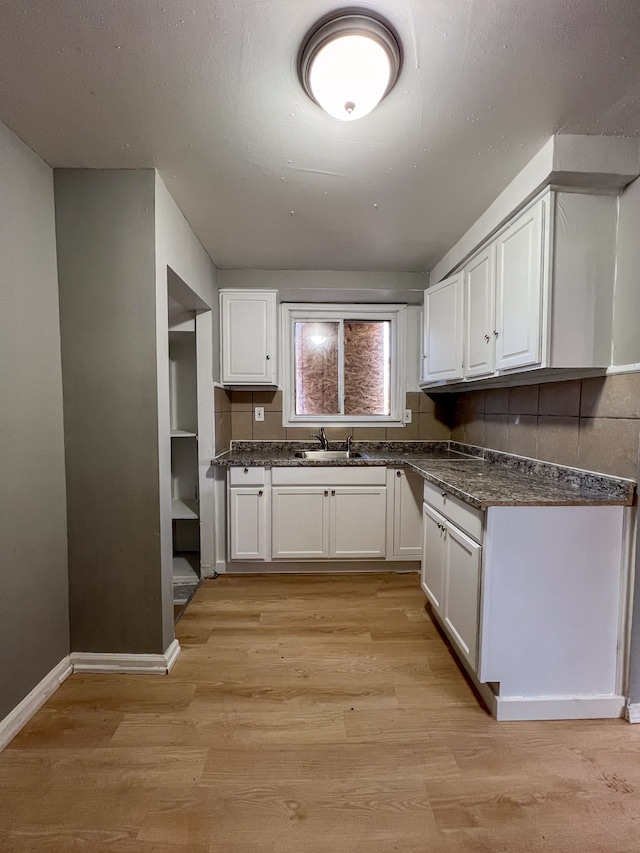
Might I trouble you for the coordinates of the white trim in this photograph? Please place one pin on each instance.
(559, 707)
(625, 613)
(615, 369)
(321, 567)
(33, 701)
(144, 664)
(632, 712)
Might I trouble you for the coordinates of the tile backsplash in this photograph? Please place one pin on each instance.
(585, 423)
(234, 420)
(589, 423)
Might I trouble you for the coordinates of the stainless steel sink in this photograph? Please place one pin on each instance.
(329, 454)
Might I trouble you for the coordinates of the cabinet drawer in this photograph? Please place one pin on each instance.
(251, 476)
(307, 475)
(461, 514)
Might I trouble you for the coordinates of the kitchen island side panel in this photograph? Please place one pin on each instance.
(550, 604)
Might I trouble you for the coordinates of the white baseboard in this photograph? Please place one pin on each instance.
(319, 567)
(82, 662)
(33, 701)
(632, 713)
(144, 664)
(559, 707)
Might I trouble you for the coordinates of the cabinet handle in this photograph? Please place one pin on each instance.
(487, 338)
(333, 492)
(326, 493)
(260, 493)
(496, 334)
(398, 473)
(246, 470)
(268, 358)
(444, 494)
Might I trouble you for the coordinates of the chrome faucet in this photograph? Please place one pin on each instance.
(348, 444)
(322, 438)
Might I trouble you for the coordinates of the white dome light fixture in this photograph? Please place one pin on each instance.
(349, 63)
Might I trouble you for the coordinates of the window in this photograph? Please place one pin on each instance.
(343, 363)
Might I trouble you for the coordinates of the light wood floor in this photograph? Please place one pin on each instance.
(310, 715)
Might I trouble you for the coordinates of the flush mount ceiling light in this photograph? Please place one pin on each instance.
(349, 63)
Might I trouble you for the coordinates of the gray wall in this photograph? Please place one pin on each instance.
(34, 622)
(106, 271)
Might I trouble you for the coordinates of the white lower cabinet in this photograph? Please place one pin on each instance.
(406, 487)
(432, 569)
(461, 590)
(358, 522)
(300, 523)
(322, 513)
(450, 577)
(248, 523)
(316, 523)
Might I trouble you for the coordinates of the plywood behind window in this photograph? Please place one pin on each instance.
(366, 368)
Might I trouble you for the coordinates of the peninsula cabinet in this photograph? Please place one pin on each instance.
(538, 298)
(531, 598)
(450, 577)
(248, 337)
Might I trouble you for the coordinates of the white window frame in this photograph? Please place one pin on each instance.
(294, 312)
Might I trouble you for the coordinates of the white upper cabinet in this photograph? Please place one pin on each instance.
(537, 296)
(248, 331)
(519, 281)
(442, 353)
(480, 327)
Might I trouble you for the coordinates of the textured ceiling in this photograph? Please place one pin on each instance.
(206, 91)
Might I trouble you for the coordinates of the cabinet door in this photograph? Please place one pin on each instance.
(358, 522)
(480, 288)
(462, 591)
(432, 573)
(300, 523)
(248, 515)
(248, 331)
(519, 290)
(407, 514)
(442, 332)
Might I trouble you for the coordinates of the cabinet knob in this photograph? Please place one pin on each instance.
(487, 338)
(268, 358)
(326, 493)
(260, 493)
(333, 492)
(398, 473)
(444, 494)
(496, 334)
(246, 470)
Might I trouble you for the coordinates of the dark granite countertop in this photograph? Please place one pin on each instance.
(480, 477)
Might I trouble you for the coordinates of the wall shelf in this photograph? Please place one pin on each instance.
(183, 508)
(182, 433)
